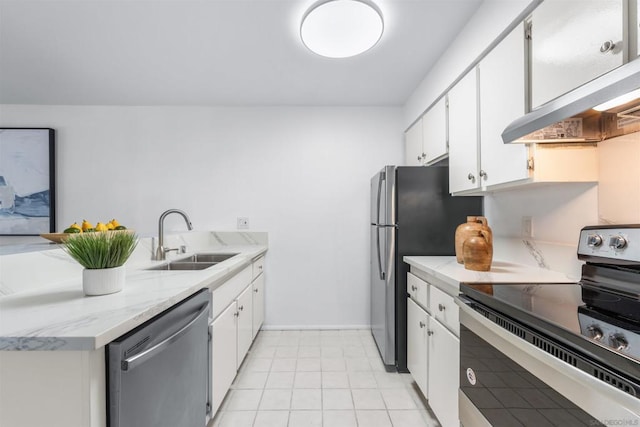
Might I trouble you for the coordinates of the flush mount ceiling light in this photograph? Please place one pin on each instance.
(341, 28)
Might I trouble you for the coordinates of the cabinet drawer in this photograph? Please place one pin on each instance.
(258, 266)
(417, 290)
(444, 309)
(229, 291)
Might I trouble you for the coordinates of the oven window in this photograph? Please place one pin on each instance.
(506, 394)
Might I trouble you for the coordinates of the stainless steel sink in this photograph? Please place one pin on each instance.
(205, 257)
(182, 265)
(194, 262)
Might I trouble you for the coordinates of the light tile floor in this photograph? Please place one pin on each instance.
(324, 378)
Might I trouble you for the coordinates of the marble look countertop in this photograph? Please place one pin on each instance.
(42, 306)
(452, 274)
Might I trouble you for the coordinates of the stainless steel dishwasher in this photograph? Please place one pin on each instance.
(158, 373)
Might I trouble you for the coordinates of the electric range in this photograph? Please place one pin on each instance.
(593, 325)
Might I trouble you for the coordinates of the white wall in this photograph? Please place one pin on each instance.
(301, 174)
(558, 211)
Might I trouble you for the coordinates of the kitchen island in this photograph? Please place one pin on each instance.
(52, 337)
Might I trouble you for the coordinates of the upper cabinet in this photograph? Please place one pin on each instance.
(434, 132)
(413, 152)
(463, 134)
(572, 42)
(502, 82)
(426, 140)
(481, 105)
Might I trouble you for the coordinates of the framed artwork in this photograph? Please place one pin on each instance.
(27, 181)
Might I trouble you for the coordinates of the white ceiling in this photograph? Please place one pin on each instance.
(210, 52)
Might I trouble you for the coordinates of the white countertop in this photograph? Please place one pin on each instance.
(55, 315)
(450, 272)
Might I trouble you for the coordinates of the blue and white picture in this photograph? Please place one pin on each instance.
(26, 181)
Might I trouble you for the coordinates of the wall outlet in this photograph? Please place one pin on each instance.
(243, 222)
(527, 227)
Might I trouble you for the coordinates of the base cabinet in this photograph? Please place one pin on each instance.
(444, 360)
(258, 303)
(244, 305)
(417, 344)
(433, 351)
(223, 355)
(235, 327)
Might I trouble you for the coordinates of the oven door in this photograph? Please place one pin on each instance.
(506, 381)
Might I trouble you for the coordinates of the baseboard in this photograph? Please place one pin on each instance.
(313, 327)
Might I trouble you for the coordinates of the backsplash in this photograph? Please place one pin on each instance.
(558, 212)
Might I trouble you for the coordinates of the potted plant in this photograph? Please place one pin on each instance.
(102, 254)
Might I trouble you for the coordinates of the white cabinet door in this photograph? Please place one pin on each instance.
(502, 99)
(566, 43)
(463, 134)
(258, 304)
(245, 323)
(444, 354)
(413, 152)
(224, 359)
(434, 132)
(417, 350)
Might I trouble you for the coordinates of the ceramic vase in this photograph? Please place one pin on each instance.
(477, 251)
(468, 229)
(102, 281)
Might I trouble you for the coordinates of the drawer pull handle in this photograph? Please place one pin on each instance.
(422, 325)
(414, 288)
(441, 307)
(429, 332)
(255, 290)
(241, 308)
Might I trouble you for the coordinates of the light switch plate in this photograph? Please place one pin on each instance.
(243, 222)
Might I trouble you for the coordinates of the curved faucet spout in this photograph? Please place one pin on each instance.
(162, 251)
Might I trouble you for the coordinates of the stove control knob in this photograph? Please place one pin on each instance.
(618, 341)
(617, 242)
(595, 332)
(594, 240)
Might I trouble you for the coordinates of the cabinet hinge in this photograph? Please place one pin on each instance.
(527, 31)
(530, 163)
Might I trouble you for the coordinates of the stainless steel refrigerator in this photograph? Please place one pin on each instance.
(412, 213)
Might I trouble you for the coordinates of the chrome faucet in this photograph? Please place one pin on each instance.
(161, 252)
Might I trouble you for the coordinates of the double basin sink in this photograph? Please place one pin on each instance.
(193, 262)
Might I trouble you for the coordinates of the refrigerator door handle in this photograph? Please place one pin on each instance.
(381, 178)
(380, 271)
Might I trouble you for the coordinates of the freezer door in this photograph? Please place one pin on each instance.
(382, 187)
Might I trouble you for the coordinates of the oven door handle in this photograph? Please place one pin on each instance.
(140, 358)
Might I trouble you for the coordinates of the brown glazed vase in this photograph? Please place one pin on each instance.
(467, 229)
(477, 251)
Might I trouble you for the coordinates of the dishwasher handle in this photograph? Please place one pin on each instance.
(140, 358)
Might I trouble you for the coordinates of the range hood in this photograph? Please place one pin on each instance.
(572, 118)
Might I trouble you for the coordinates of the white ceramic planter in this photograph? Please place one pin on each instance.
(102, 281)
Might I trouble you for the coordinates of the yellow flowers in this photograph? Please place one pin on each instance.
(87, 227)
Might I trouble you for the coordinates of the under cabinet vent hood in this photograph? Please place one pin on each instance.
(572, 117)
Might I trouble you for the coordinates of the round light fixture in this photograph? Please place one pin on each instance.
(341, 28)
